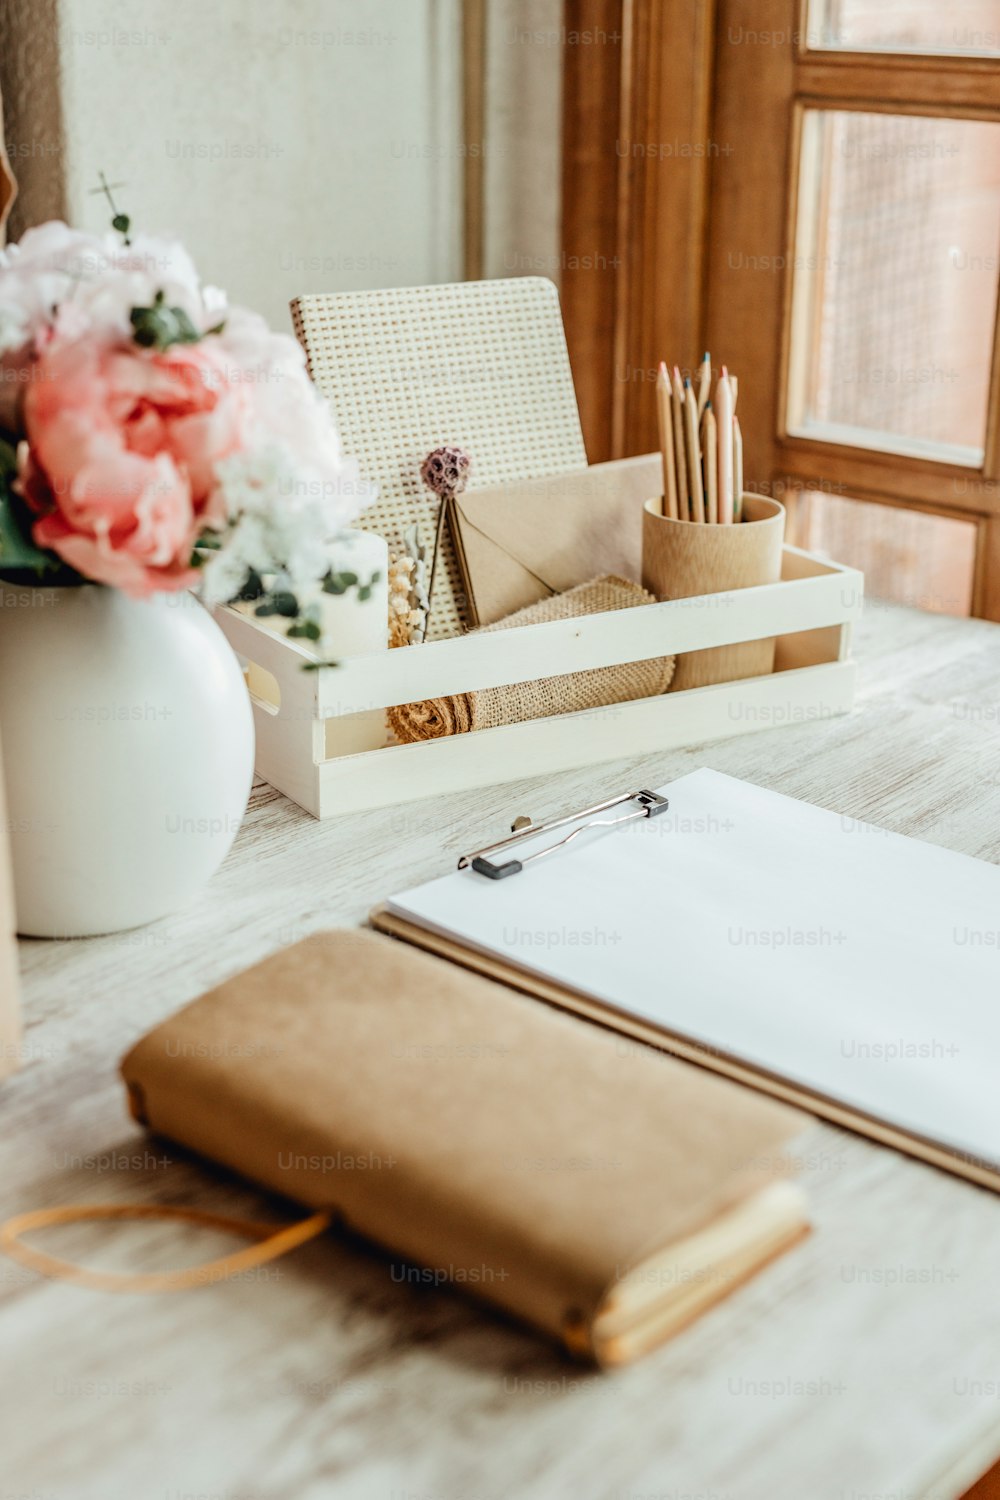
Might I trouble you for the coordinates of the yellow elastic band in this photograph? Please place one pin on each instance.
(274, 1243)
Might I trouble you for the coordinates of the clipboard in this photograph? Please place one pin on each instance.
(824, 1104)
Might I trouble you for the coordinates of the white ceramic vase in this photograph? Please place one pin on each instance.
(127, 750)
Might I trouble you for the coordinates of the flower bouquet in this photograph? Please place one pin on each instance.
(157, 447)
(154, 439)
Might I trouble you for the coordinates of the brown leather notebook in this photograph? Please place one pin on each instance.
(587, 1184)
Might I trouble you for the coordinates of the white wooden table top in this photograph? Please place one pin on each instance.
(865, 1363)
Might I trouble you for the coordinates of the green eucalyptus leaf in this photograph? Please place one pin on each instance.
(159, 326)
(252, 589)
(149, 328)
(18, 552)
(188, 333)
(15, 549)
(304, 630)
(280, 603)
(8, 460)
(201, 552)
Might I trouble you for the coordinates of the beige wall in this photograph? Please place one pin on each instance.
(295, 145)
(523, 137)
(306, 145)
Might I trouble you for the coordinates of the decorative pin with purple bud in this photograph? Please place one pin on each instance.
(445, 472)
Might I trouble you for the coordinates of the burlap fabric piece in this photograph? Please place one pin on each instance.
(488, 708)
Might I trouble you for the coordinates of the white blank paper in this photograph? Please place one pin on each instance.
(857, 963)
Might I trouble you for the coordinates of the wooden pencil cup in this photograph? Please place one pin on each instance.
(691, 559)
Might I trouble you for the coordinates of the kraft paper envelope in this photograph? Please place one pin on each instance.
(518, 543)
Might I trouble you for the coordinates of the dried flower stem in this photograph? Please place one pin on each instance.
(442, 511)
(444, 472)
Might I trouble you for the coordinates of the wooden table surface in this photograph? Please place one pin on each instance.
(866, 1363)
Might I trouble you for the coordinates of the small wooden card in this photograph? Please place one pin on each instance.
(10, 1008)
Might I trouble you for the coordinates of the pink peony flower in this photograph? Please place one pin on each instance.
(121, 453)
(149, 416)
(58, 284)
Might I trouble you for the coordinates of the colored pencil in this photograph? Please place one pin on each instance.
(665, 419)
(710, 448)
(693, 453)
(724, 403)
(704, 383)
(677, 411)
(738, 469)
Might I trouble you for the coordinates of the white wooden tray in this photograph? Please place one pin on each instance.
(810, 611)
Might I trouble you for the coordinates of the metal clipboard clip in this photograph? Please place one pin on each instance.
(649, 805)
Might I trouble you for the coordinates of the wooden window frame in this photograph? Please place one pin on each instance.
(665, 226)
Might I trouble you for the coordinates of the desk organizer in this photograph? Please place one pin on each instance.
(484, 364)
(810, 611)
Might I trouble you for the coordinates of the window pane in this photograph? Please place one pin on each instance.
(971, 27)
(906, 555)
(896, 262)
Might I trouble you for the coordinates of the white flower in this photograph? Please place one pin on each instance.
(15, 328)
(282, 518)
(271, 507)
(93, 281)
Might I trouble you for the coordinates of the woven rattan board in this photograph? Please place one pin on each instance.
(480, 363)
